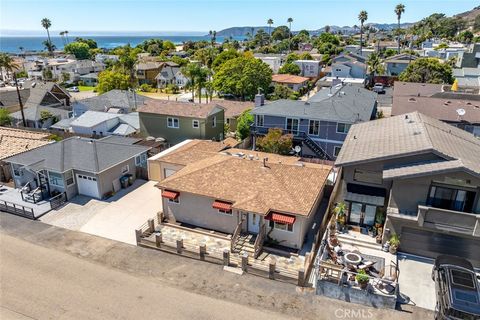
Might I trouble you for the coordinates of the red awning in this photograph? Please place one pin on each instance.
(281, 218)
(220, 205)
(170, 194)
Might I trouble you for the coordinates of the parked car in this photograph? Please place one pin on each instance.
(73, 89)
(457, 289)
(378, 88)
(2, 84)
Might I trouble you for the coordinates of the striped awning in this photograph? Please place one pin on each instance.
(170, 194)
(220, 205)
(281, 218)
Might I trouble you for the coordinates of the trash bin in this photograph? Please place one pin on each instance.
(124, 181)
(130, 179)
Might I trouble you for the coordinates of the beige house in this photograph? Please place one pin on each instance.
(266, 195)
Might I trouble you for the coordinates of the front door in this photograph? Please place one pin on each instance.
(362, 214)
(253, 222)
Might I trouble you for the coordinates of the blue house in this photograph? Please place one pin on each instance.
(319, 125)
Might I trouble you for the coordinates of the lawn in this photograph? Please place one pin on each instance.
(85, 88)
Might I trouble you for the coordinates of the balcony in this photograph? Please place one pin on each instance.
(442, 219)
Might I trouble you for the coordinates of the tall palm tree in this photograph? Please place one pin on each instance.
(362, 17)
(399, 9)
(62, 35)
(66, 36)
(375, 66)
(46, 23)
(290, 20)
(10, 66)
(270, 22)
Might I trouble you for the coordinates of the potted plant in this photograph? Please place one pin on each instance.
(340, 211)
(394, 243)
(362, 279)
(379, 218)
(379, 236)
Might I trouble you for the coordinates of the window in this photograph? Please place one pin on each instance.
(174, 200)
(138, 161)
(283, 226)
(173, 123)
(343, 127)
(17, 172)
(227, 212)
(336, 151)
(338, 70)
(125, 169)
(69, 178)
(56, 179)
(313, 127)
(195, 123)
(451, 199)
(259, 120)
(214, 122)
(292, 125)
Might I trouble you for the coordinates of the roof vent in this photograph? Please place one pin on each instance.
(300, 164)
(412, 100)
(416, 133)
(250, 156)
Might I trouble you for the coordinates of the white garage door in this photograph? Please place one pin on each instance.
(87, 186)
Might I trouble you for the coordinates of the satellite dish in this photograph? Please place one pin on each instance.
(298, 149)
(461, 112)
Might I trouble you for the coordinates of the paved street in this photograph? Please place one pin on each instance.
(49, 272)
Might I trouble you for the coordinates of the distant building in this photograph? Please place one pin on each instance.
(296, 83)
(396, 64)
(308, 68)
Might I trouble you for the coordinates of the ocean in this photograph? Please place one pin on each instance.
(11, 44)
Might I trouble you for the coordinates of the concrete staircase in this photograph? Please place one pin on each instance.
(245, 242)
(362, 241)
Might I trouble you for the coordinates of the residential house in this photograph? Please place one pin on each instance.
(73, 71)
(296, 83)
(170, 73)
(89, 79)
(259, 193)
(9, 99)
(349, 65)
(468, 79)
(308, 68)
(274, 61)
(419, 174)
(113, 101)
(176, 121)
(458, 109)
(396, 64)
(147, 71)
(16, 141)
(470, 58)
(76, 166)
(47, 69)
(233, 110)
(106, 58)
(95, 123)
(321, 124)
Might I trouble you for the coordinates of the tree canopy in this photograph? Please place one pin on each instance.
(244, 121)
(427, 70)
(290, 68)
(92, 44)
(5, 118)
(223, 57)
(275, 142)
(243, 77)
(81, 50)
(281, 33)
(109, 80)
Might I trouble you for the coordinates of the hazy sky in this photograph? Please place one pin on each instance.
(203, 15)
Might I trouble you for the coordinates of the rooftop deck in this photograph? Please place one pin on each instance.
(11, 201)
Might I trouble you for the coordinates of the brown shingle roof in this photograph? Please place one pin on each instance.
(177, 108)
(15, 141)
(401, 88)
(288, 78)
(193, 151)
(234, 108)
(250, 186)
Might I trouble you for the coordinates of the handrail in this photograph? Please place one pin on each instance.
(259, 241)
(235, 235)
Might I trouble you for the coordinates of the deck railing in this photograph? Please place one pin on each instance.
(16, 209)
(235, 235)
(258, 246)
(58, 200)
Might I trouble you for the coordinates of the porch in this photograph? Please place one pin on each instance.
(12, 201)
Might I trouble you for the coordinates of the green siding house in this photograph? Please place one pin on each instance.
(177, 121)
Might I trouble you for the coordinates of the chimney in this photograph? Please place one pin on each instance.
(259, 99)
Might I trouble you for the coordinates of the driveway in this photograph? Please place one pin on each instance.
(416, 281)
(116, 218)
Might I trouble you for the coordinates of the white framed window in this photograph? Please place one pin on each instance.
(283, 226)
(336, 150)
(259, 120)
(227, 212)
(125, 169)
(314, 127)
(174, 200)
(195, 124)
(69, 178)
(292, 125)
(343, 127)
(214, 121)
(173, 123)
(55, 179)
(138, 160)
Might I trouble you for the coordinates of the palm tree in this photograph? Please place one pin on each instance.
(46, 23)
(399, 9)
(62, 34)
(362, 17)
(66, 36)
(290, 20)
(10, 66)
(270, 22)
(375, 66)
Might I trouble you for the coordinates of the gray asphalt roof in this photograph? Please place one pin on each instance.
(114, 98)
(63, 124)
(78, 153)
(348, 104)
(92, 118)
(33, 113)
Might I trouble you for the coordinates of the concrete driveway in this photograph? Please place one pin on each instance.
(116, 218)
(416, 281)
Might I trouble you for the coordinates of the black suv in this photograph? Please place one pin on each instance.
(457, 289)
